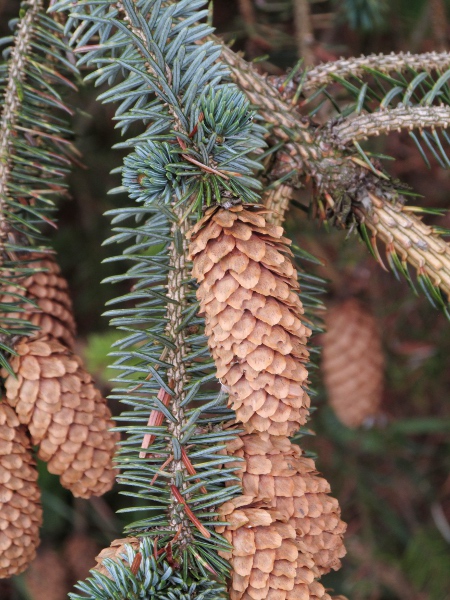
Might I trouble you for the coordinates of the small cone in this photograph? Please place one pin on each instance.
(282, 494)
(248, 292)
(20, 510)
(46, 577)
(65, 413)
(352, 363)
(49, 291)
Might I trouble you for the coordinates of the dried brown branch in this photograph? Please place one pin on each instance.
(439, 23)
(303, 31)
(394, 119)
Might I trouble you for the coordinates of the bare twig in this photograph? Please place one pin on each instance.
(414, 241)
(392, 119)
(304, 31)
(359, 66)
(439, 23)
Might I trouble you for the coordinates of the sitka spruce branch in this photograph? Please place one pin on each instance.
(36, 153)
(346, 180)
(49, 406)
(197, 148)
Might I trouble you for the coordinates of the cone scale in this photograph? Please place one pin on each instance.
(285, 530)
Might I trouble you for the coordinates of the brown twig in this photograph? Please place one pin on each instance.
(304, 31)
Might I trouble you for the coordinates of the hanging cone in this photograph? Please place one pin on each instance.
(46, 579)
(65, 413)
(280, 488)
(49, 291)
(352, 363)
(249, 294)
(20, 510)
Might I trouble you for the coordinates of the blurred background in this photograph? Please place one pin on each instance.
(388, 460)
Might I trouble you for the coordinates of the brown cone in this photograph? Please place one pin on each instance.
(49, 291)
(352, 363)
(280, 488)
(249, 294)
(65, 413)
(46, 577)
(115, 551)
(20, 510)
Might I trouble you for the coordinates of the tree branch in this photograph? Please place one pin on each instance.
(384, 63)
(337, 173)
(12, 102)
(303, 31)
(363, 126)
(414, 241)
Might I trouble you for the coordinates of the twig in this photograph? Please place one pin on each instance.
(439, 23)
(360, 66)
(304, 31)
(364, 126)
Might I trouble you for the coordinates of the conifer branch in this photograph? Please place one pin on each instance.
(413, 241)
(377, 123)
(36, 153)
(345, 68)
(12, 100)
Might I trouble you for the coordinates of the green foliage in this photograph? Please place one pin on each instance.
(154, 580)
(197, 146)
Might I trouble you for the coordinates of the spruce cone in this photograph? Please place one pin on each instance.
(46, 577)
(20, 510)
(49, 290)
(248, 293)
(353, 363)
(66, 415)
(285, 500)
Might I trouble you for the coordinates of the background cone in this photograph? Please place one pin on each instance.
(352, 363)
(20, 510)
